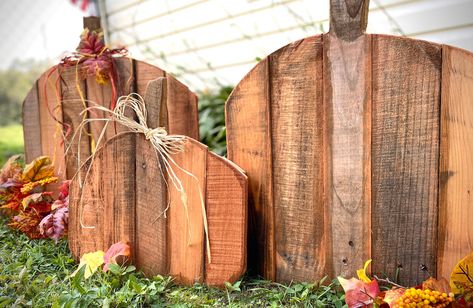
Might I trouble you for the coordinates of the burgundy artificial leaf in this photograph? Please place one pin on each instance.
(54, 225)
(116, 250)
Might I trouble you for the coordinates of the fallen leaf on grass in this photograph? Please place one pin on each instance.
(359, 293)
(116, 250)
(461, 279)
(92, 261)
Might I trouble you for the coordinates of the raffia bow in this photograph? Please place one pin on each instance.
(165, 146)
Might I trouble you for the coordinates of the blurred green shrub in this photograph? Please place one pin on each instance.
(212, 119)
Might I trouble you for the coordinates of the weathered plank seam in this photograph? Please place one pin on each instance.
(270, 161)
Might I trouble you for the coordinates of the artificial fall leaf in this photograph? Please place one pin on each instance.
(91, 42)
(39, 169)
(359, 293)
(362, 272)
(42, 197)
(29, 187)
(63, 198)
(461, 279)
(11, 170)
(391, 296)
(433, 284)
(54, 225)
(116, 250)
(92, 261)
(64, 189)
(27, 222)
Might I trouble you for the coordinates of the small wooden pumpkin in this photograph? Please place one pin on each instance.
(357, 147)
(55, 98)
(125, 197)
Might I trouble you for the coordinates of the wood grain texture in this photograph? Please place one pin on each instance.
(72, 106)
(347, 95)
(151, 190)
(405, 154)
(226, 205)
(124, 199)
(50, 113)
(186, 230)
(182, 109)
(299, 213)
(125, 84)
(348, 18)
(249, 145)
(99, 95)
(144, 73)
(456, 165)
(106, 200)
(150, 245)
(32, 125)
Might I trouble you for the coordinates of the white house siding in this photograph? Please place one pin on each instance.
(211, 42)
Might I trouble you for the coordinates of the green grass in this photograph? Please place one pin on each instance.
(11, 141)
(36, 273)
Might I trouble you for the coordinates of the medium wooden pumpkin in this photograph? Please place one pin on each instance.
(56, 94)
(125, 195)
(357, 147)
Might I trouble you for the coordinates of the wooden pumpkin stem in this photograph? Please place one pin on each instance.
(92, 23)
(348, 18)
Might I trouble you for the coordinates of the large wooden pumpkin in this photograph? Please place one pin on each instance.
(124, 198)
(356, 146)
(55, 98)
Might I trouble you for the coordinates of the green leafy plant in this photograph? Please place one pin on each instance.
(212, 119)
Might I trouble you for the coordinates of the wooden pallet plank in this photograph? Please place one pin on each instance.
(249, 146)
(182, 109)
(347, 96)
(405, 151)
(87, 207)
(226, 205)
(118, 176)
(107, 202)
(72, 106)
(125, 83)
(31, 125)
(99, 95)
(298, 170)
(186, 238)
(144, 73)
(50, 113)
(151, 200)
(456, 168)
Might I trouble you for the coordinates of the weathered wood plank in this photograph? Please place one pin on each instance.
(405, 152)
(182, 109)
(347, 96)
(72, 106)
(151, 190)
(99, 95)
(125, 84)
(86, 210)
(151, 202)
(144, 73)
(456, 167)
(186, 238)
(50, 113)
(299, 211)
(108, 198)
(32, 125)
(118, 175)
(226, 205)
(249, 146)
(348, 19)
